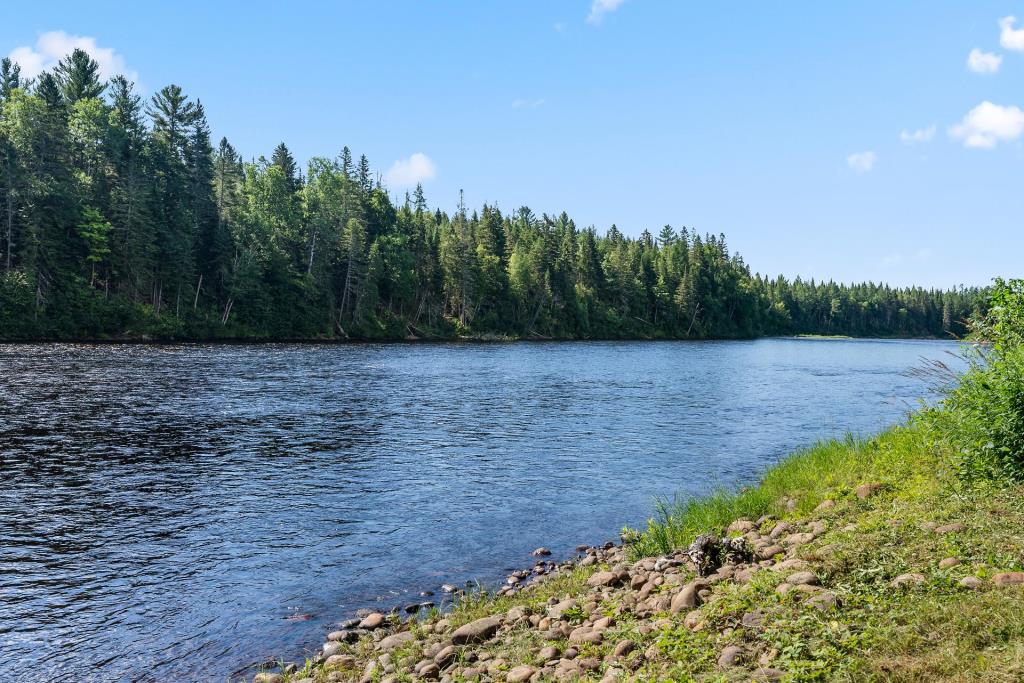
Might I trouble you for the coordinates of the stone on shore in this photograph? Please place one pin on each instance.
(803, 578)
(395, 640)
(603, 579)
(953, 528)
(372, 621)
(520, 674)
(1008, 579)
(948, 562)
(730, 656)
(265, 677)
(476, 631)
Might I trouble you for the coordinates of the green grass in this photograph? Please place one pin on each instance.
(795, 486)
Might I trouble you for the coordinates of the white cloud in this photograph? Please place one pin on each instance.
(408, 172)
(1009, 37)
(559, 27)
(527, 103)
(53, 45)
(983, 62)
(919, 135)
(987, 124)
(861, 162)
(599, 8)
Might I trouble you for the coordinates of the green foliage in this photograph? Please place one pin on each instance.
(130, 230)
(983, 415)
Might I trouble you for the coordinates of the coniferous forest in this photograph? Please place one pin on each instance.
(122, 219)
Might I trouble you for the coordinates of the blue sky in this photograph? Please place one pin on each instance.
(830, 140)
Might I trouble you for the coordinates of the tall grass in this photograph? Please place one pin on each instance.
(795, 486)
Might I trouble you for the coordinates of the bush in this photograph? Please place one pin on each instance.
(983, 416)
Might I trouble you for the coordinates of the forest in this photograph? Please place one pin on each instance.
(120, 219)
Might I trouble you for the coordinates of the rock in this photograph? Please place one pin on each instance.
(793, 563)
(541, 552)
(623, 648)
(687, 598)
(515, 614)
(780, 529)
(547, 654)
(603, 579)
(476, 631)
(972, 582)
(693, 621)
(907, 580)
(556, 611)
(1008, 579)
(950, 528)
(520, 674)
(429, 672)
(740, 526)
(798, 539)
(948, 562)
(803, 578)
(753, 620)
(865, 491)
(823, 601)
(730, 656)
(446, 656)
(768, 674)
(472, 673)
(332, 648)
(265, 677)
(448, 588)
(825, 505)
(589, 663)
(372, 621)
(395, 640)
(768, 552)
(340, 662)
(341, 636)
(586, 634)
(603, 623)
(817, 527)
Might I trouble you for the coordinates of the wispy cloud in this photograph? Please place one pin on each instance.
(920, 135)
(861, 162)
(559, 27)
(988, 124)
(51, 46)
(527, 103)
(408, 172)
(599, 8)
(1009, 37)
(983, 62)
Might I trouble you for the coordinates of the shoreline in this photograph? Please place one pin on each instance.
(850, 553)
(468, 340)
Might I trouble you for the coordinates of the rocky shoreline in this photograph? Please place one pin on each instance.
(575, 636)
(789, 596)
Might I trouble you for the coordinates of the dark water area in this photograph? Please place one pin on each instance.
(164, 510)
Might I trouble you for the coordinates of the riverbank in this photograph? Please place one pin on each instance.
(870, 562)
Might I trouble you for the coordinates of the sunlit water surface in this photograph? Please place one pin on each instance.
(164, 510)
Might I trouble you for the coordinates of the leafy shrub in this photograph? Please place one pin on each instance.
(983, 416)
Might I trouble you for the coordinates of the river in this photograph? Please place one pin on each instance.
(180, 512)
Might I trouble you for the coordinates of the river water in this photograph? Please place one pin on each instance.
(180, 512)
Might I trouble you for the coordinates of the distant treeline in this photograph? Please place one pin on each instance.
(120, 219)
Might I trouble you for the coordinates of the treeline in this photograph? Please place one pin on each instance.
(121, 219)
